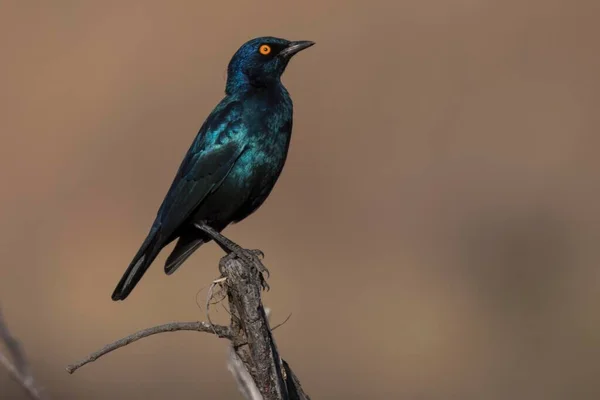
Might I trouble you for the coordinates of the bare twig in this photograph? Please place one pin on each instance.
(253, 360)
(20, 370)
(210, 295)
(198, 326)
(282, 323)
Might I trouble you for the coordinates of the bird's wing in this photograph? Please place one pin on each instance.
(216, 148)
(208, 162)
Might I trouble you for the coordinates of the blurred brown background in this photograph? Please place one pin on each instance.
(439, 214)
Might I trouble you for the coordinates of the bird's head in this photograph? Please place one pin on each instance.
(261, 61)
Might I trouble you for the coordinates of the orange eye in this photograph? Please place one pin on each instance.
(265, 49)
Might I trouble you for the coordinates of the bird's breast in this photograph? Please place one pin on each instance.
(268, 125)
(259, 163)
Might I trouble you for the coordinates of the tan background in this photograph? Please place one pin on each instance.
(438, 217)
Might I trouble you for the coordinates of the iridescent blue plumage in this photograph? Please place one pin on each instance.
(233, 163)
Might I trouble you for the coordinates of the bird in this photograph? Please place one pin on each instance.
(232, 164)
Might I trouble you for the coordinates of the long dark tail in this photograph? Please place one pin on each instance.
(139, 265)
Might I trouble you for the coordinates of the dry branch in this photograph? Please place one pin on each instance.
(246, 384)
(254, 361)
(198, 326)
(252, 338)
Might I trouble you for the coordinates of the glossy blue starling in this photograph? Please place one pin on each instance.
(232, 164)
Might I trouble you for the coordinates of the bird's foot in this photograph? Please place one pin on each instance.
(252, 258)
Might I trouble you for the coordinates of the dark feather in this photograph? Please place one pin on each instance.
(201, 172)
(186, 245)
(233, 163)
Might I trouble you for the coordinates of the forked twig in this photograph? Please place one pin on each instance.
(253, 360)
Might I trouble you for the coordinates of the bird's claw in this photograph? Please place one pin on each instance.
(259, 253)
(253, 258)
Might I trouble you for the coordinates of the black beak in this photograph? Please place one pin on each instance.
(295, 47)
